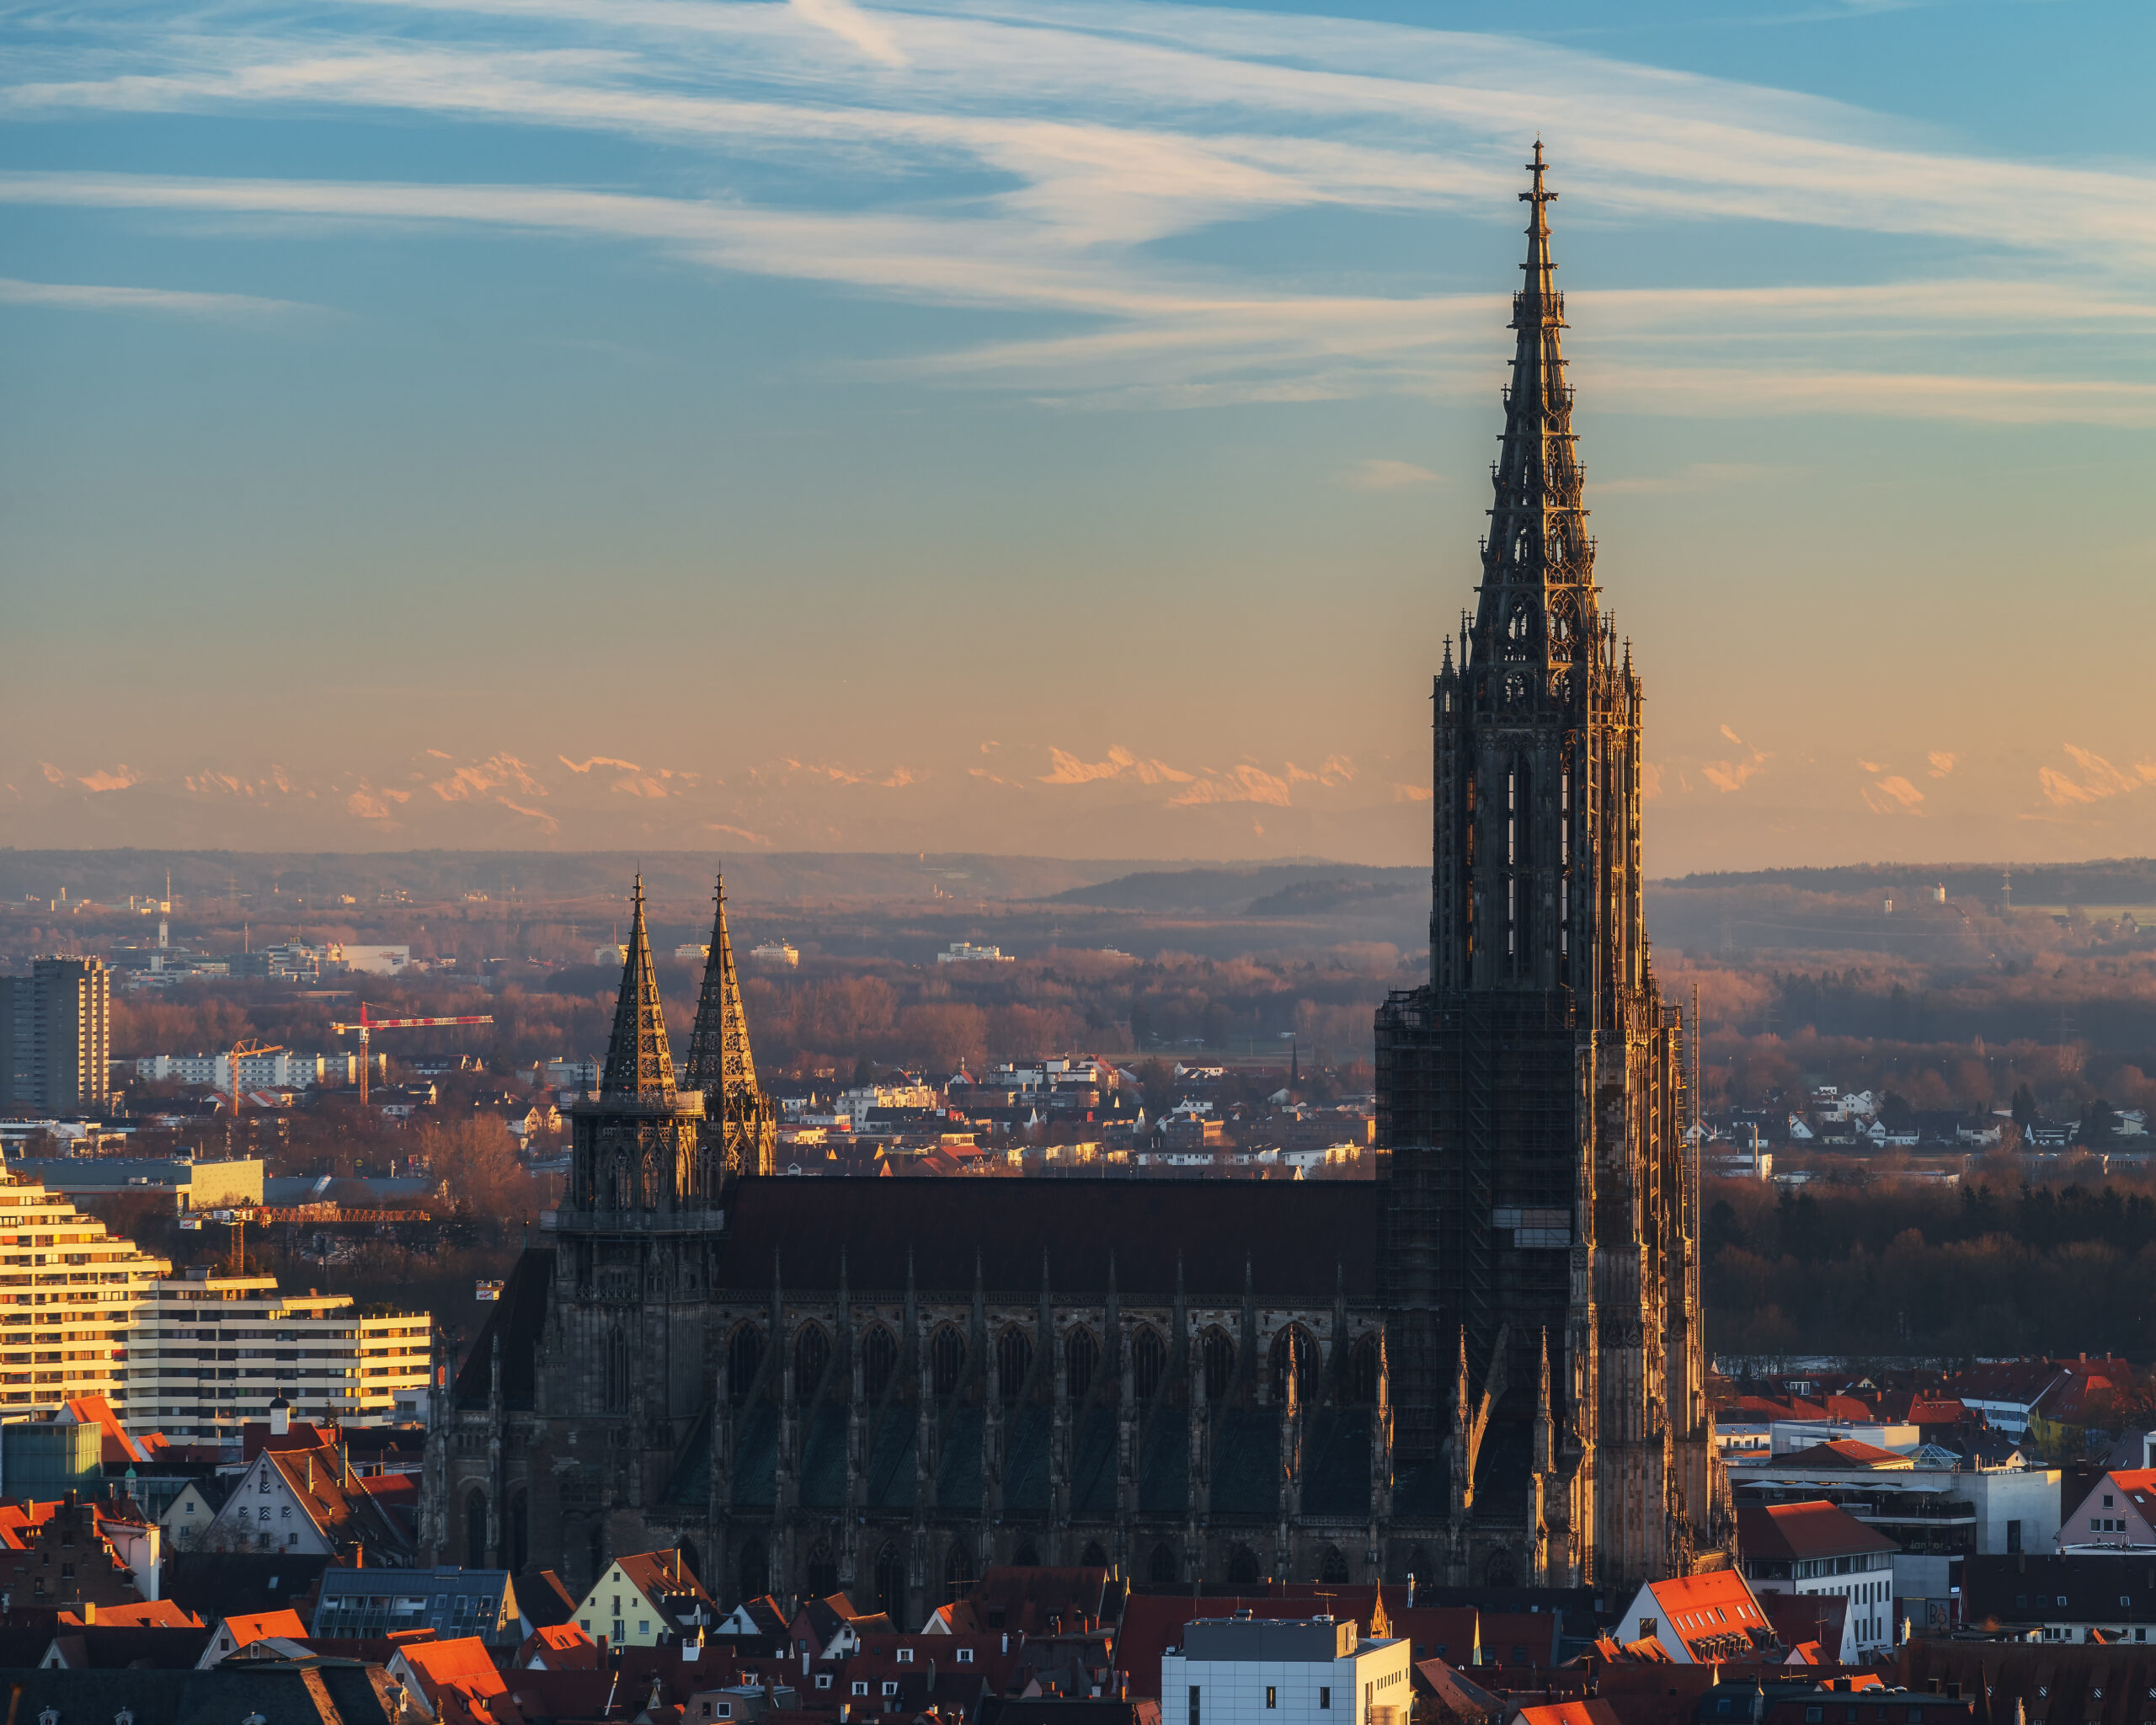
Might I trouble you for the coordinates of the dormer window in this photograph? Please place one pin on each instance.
(906, 1656)
(965, 1656)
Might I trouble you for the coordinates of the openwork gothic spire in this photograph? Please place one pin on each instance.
(741, 1125)
(1537, 598)
(638, 1061)
(719, 1060)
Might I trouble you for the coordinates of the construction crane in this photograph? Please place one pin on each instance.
(245, 1049)
(364, 1027)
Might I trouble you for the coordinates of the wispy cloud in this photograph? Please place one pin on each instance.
(78, 296)
(2093, 780)
(872, 36)
(1081, 138)
(1734, 774)
(1378, 473)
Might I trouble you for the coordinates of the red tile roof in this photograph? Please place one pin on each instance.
(1800, 1530)
(1843, 1452)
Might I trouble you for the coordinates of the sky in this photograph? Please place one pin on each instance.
(1012, 426)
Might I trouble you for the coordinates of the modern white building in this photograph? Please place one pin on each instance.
(964, 951)
(1817, 1549)
(70, 1294)
(1246, 1670)
(284, 1070)
(210, 1353)
(777, 952)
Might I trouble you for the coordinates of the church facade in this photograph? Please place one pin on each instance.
(1486, 1367)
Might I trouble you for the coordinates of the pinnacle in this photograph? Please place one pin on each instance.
(638, 1061)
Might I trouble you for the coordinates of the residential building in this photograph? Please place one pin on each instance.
(69, 1295)
(301, 1689)
(2118, 1513)
(645, 1600)
(2078, 1597)
(1938, 1514)
(210, 1353)
(308, 1502)
(779, 953)
(372, 1604)
(964, 951)
(1817, 1548)
(191, 1186)
(1696, 1620)
(1246, 1670)
(55, 1037)
(286, 1069)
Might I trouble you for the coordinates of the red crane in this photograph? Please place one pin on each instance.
(365, 1026)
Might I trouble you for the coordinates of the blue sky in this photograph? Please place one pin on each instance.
(1057, 428)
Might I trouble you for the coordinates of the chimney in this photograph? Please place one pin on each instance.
(281, 1418)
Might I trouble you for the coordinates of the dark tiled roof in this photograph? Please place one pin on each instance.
(112, 1647)
(290, 1692)
(216, 1585)
(1820, 1529)
(1299, 1238)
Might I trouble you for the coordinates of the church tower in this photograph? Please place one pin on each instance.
(741, 1130)
(1540, 1190)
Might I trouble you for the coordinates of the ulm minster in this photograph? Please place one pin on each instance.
(1487, 1367)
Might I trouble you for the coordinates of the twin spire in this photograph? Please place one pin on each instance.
(640, 1058)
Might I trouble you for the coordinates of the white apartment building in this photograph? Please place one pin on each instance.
(69, 1295)
(1246, 1670)
(282, 1071)
(210, 1354)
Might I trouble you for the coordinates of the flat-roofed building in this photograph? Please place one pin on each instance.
(1246, 1670)
(212, 1353)
(69, 1295)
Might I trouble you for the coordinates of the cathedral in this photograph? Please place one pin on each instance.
(1486, 1368)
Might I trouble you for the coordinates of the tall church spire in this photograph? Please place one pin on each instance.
(1537, 597)
(741, 1125)
(719, 1060)
(640, 1063)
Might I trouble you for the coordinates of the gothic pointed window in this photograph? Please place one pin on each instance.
(823, 1571)
(1166, 1568)
(1014, 1361)
(1295, 1342)
(1149, 1361)
(1218, 1351)
(812, 1353)
(745, 1357)
(947, 1359)
(879, 1358)
(1363, 1371)
(1519, 626)
(1082, 1357)
(891, 1580)
(753, 1569)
